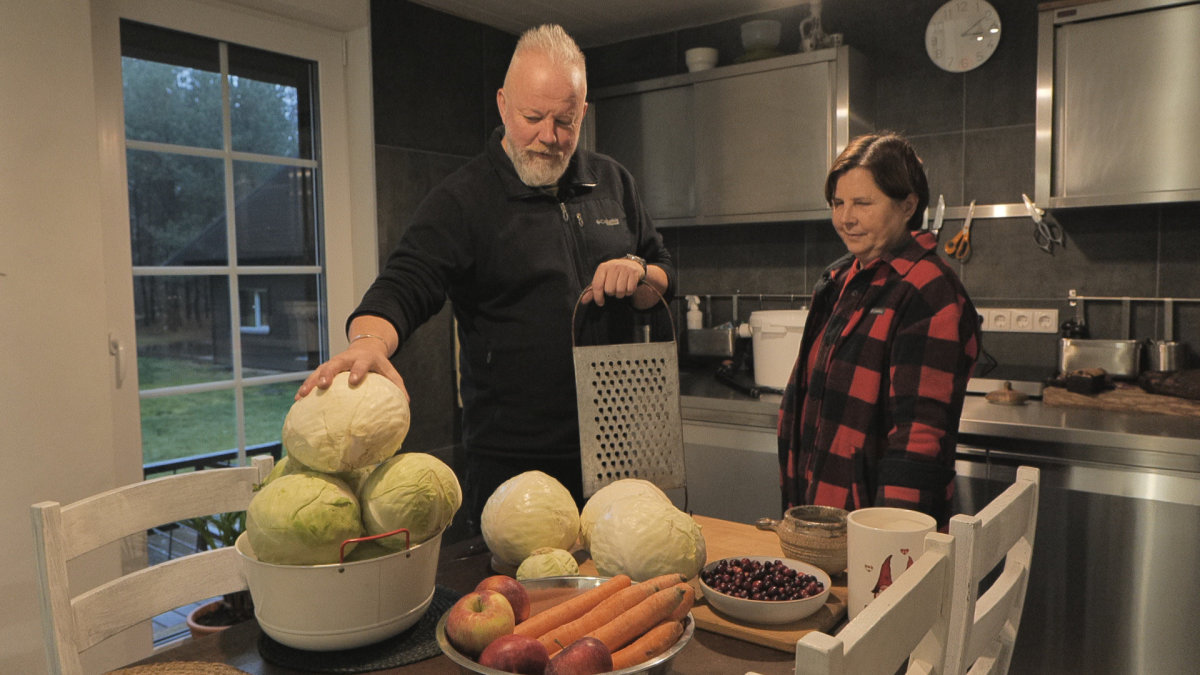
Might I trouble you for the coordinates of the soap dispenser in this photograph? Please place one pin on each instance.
(695, 320)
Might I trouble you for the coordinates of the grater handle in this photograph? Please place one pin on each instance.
(579, 301)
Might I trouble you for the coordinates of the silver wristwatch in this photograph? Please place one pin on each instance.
(639, 260)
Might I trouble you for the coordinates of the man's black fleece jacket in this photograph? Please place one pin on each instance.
(513, 260)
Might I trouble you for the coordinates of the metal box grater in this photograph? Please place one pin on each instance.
(630, 421)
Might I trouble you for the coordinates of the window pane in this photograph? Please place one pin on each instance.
(266, 406)
(176, 209)
(276, 223)
(182, 330)
(172, 86)
(271, 103)
(188, 424)
(287, 336)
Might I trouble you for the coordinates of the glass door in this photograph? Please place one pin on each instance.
(223, 172)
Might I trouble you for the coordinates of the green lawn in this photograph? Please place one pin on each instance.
(191, 424)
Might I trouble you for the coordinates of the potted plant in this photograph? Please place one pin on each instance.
(212, 532)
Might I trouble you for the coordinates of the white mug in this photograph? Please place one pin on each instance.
(881, 542)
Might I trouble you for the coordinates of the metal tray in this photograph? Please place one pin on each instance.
(1118, 358)
(548, 592)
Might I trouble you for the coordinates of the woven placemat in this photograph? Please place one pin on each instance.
(180, 668)
(415, 644)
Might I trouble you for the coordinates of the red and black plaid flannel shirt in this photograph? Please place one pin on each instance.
(875, 422)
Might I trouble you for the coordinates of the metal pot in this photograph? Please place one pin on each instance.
(813, 534)
(1166, 356)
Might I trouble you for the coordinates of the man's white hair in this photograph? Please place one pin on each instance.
(553, 42)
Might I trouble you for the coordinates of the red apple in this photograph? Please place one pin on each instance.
(476, 619)
(513, 590)
(516, 654)
(585, 656)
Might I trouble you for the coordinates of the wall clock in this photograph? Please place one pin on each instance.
(962, 35)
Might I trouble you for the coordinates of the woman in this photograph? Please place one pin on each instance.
(870, 414)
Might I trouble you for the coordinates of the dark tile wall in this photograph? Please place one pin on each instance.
(975, 132)
(435, 81)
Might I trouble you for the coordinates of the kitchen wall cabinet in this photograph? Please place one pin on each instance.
(1118, 87)
(744, 143)
(651, 134)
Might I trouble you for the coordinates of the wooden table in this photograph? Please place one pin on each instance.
(462, 565)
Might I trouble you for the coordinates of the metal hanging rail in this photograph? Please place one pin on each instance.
(1077, 301)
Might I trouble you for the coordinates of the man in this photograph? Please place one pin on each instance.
(513, 238)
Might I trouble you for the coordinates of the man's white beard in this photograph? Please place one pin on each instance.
(533, 169)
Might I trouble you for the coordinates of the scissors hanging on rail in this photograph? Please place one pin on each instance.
(1046, 232)
(960, 246)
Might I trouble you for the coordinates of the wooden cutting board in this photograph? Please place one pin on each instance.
(1124, 398)
(725, 539)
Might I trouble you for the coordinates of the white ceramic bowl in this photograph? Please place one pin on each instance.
(700, 58)
(767, 612)
(550, 591)
(760, 34)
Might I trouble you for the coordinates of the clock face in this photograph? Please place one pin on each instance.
(962, 35)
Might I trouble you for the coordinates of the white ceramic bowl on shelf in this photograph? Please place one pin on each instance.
(700, 58)
(767, 612)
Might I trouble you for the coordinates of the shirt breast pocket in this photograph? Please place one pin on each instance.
(605, 230)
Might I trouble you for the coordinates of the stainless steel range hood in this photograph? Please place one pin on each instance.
(1117, 103)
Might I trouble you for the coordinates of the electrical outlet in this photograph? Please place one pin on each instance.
(1045, 320)
(1017, 320)
(985, 319)
(1022, 320)
(1001, 320)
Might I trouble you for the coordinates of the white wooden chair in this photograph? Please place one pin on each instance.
(983, 628)
(910, 620)
(73, 624)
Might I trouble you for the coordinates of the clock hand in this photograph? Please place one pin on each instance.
(968, 29)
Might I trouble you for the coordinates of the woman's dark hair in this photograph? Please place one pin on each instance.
(893, 163)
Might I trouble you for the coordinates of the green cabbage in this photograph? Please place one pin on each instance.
(344, 428)
(411, 490)
(529, 511)
(548, 562)
(643, 537)
(302, 519)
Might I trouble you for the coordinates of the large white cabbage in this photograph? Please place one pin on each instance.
(344, 428)
(615, 491)
(302, 519)
(412, 490)
(529, 511)
(643, 537)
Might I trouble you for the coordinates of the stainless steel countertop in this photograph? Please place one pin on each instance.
(1164, 442)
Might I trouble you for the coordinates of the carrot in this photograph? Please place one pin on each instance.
(642, 617)
(655, 641)
(608, 609)
(685, 604)
(572, 609)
